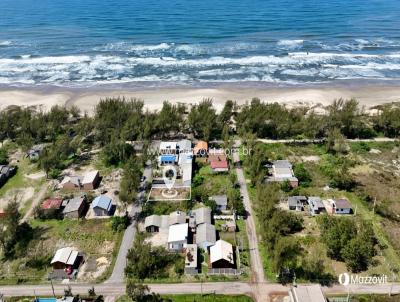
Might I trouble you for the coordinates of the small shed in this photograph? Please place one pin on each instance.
(221, 202)
(71, 183)
(229, 226)
(75, 207)
(101, 205)
(91, 180)
(152, 223)
(52, 204)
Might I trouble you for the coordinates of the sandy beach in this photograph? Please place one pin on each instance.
(86, 99)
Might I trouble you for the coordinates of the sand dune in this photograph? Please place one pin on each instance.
(368, 96)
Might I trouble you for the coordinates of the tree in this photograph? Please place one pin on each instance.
(302, 174)
(130, 181)
(357, 254)
(140, 292)
(145, 261)
(203, 120)
(137, 291)
(285, 254)
(14, 237)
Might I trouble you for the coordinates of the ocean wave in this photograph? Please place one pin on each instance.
(294, 67)
(5, 43)
(291, 44)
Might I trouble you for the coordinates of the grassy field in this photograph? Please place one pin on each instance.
(199, 298)
(94, 238)
(214, 183)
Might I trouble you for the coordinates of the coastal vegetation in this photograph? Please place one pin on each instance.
(324, 246)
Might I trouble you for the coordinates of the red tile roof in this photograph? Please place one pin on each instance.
(221, 164)
(52, 203)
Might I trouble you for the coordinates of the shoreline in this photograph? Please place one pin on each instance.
(368, 95)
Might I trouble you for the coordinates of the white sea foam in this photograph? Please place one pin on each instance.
(5, 43)
(290, 43)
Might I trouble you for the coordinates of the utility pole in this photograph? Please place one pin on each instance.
(52, 287)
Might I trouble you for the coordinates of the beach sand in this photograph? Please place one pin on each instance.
(86, 99)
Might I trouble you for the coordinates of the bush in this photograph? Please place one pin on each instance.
(3, 157)
(303, 175)
(119, 223)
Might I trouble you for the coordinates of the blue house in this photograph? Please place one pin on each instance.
(101, 205)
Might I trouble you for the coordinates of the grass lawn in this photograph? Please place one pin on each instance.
(199, 298)
(214, 183)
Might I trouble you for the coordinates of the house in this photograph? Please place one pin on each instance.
(75, 207)
(52, 204)
(222, 255)
(102, 205)
(341, 206)
(184, 146)
(177, 217)
(91, 180)
(219, 164)
(296, 203)
(177, 236)
(71, 183)
(306, 293)
(154, 223)
(201, 215)
(168, 148)
(65, 258)
(282, 171)
(201, 149)
(34, 152)
(205, 235)
(221, 201)
(191, 264)
(316, 206)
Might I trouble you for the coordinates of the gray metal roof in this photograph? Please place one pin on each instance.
(202, 215)
(153, 220)
(73, 204)
(177, 217)
(205, 232)
(220, 200)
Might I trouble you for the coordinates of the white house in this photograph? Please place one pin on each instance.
(221, 255)
(177, 236)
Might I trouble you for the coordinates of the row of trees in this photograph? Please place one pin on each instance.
(120, 119)
(276, 226)
(272, 120)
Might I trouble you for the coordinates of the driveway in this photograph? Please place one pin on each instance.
(256, 263)
(118, 274)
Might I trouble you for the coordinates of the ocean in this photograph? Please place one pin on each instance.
(82, 43)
